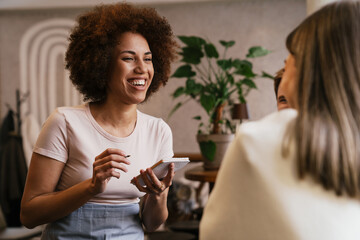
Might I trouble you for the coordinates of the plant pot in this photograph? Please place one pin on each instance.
(213, 148)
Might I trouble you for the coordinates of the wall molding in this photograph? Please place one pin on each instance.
(40, 49)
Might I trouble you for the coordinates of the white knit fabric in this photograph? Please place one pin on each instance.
(257, 194)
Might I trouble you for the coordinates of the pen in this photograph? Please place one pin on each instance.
(127, 156)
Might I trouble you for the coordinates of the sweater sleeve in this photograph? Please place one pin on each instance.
(220, 215)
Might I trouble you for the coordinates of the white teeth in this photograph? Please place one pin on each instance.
(137, 82)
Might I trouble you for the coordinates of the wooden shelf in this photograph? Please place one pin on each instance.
(193, 157)
(200, 174)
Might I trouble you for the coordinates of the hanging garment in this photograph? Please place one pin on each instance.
(13, 172)
(7, 127)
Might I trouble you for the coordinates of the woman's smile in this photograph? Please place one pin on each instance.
(137, 82)
(133, 70)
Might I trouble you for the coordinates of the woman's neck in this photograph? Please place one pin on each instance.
(118, 119)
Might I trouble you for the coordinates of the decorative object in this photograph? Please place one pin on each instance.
(211, 80)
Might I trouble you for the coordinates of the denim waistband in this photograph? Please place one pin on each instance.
(96, 210)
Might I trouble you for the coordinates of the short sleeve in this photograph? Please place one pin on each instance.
(52, 140)
(166, 151)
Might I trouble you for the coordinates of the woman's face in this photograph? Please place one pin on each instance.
(282, 102)
(288, 82)
(133, 69)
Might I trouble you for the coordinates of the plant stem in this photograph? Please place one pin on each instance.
(218, 116)
(212, 69)
(203, 76)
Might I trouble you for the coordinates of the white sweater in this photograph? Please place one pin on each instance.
(257, 194)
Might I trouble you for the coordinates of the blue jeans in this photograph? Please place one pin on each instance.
(98, 221)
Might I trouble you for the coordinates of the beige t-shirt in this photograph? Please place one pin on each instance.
(71, 135)
(258, 196)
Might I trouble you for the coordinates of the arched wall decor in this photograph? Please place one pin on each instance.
(41, 48)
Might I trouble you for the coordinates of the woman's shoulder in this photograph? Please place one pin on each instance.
(272, 123)
(66, 110)
(267, 133)
(61, 115)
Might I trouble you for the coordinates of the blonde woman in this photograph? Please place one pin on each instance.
(295, 173)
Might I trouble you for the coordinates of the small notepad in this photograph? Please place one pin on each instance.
(161, 167)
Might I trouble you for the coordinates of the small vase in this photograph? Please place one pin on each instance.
(240, 111)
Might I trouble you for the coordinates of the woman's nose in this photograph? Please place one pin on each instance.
(140, 67)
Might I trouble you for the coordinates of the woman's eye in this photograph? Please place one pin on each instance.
(127, 59)
(148, 59)
(282, 99)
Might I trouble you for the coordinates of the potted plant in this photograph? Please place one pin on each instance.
(214, 80)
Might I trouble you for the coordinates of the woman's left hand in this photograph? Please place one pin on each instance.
(154, 185)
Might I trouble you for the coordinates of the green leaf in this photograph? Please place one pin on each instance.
(178, 92)
(237, 63)
(257, 51)
(174, 109)
(208, 102)
(242, 99)
(192, 41)
(243, 68)
(267, 75)
(192, 88)
(248, 82)
(211, 51)
(227, 44)
(230, 79)
(197, 117)
(230, 125)
(191, 60)
(208, 149)
(184, 71)
(225, 64)
(191, 55)
(190, 85)
(197, 89)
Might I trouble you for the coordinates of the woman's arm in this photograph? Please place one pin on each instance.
(41, 204)
(154, 208)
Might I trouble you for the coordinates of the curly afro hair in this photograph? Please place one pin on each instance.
(92, 43)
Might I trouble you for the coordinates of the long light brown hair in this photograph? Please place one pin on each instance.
(326, 47)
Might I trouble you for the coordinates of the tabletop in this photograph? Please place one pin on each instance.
(200, 174)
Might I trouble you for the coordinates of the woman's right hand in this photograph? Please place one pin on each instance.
(105, 166)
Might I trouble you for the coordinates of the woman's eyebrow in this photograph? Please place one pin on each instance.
(134, 53)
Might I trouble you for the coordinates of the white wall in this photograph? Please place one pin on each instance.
(256, 22)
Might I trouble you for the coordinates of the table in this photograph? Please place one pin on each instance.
(200, 174)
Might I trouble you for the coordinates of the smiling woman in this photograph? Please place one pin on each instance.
(86, 157)
(133, 70)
